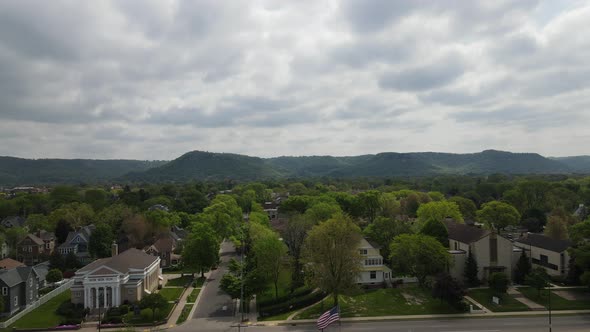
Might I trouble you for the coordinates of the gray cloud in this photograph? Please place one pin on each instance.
(423, 77)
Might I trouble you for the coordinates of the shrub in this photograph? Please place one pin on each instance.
(292, 304)
(297, 293)
(124, 309)
(499, 282)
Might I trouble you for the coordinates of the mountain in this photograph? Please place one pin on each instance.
(579, 164)
(200, 165)
(19, 171)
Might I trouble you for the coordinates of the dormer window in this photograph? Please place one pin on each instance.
(363, 252)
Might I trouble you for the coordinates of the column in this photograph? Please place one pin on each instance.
(104, 295)
(96, 303)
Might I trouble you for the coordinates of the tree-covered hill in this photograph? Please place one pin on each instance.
(579, 164)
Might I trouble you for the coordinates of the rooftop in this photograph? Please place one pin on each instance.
(544, 242)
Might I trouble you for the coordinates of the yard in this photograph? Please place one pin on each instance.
(171, 294)
(284, 286)
(146, 315)
(507, 302)
(44, 316)
(184, 314)
(579, 298)
(383, 302)
(180, 281)
(193, 295)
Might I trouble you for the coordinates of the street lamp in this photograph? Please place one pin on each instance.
(549, 289)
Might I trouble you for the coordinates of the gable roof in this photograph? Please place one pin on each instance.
(83, 232)
(33, 238)
(545, 242)
(42, 269)
(14, 220)
(9, 263)
(164, 244)
(464, 233)
(130, 259)
(15, 276)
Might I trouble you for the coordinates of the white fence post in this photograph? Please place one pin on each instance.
(37, 303)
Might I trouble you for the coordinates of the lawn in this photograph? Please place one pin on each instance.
(171, 294)
(44, 316)
(557, 302)
(384, 302)
(199, 282)
(184, 314)
(507, 302)
(284, 286)
(193, 295)
(146, 315)
(180, 281)
(282, 316)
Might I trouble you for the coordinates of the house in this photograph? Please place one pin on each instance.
(492, 252)
(581, 212)
(77, 242)
(159, 207)
(4, 250)
(546, 252)
(178, 233)
(13, 221)
(19, 288)
(9, 263)
(34, 248)
(373, 271)
(272, 209)
(122, 278)
(164, 248)
(41, 270)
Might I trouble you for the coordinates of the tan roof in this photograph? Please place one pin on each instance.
(164, 244)
(102, 271)
(9, 263)
(130, 259)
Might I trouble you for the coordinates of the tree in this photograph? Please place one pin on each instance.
(580, 231)
(37, 222)
(154, 302)
(439, 211)
(581, 255)
(101, 240)
(471, 271)
(390, 206)
(269, 252)
(437, 230)
(294, 236)
(447, 288)
(56, 261)
(466, 206)
(201, 249)
(75, 214)
(418, 255)
(556, 228)
(331, 257)
(538, 279)
(97, 198)
(498, 282)
(71, 262)
(321, 212)
(384, 230)
(370, 202)
(498, 215)
(522, 269)
(54, 275)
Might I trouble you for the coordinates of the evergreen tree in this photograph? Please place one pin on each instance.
(56, 261)
(523, 268)
(471, 270)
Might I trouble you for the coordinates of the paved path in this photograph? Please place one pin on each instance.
(180, 306)
(522, 299)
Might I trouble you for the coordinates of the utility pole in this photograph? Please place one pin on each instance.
(550, 325)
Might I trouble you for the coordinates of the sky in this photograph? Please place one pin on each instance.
(153, 79)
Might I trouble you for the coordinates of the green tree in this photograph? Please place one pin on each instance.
(556, 228)
(466, 206)
(370, 202)
(37, 222)
(418, 255)
(390, 206)
(471, 271)
(101, 240)
(321, 212)
(498, 282)
(115, 215)
(538, 279)
(580, 231)
(269, 253)
(71, 261)
(201, 249)
(439, 211)
(154, 302)
(331, 257)
(57, 261)
(97, 198)
(294, 236)
(384, 230)
(437, 230)
(54, 275)
(498, 215)
(522, 269)
(447, 288)
(63, 195)
(581, 255)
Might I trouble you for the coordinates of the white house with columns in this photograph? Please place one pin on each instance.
(122, 278)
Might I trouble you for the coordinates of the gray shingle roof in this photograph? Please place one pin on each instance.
(464, 233)
(15, 276)
(542, 241)
(130, 259)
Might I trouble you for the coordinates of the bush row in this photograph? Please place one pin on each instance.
(292, 304)
(297, 293)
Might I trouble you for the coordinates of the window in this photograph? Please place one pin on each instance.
(47, 245)
(544, 259)
(16, 301)
(30, 294)
(31, 282)
(4, 290)
(130, 291)
(373, 274)
(493, 249)
(363, 251)
(456, 245)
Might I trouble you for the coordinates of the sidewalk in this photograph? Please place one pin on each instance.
(522, 299)
(179, 307)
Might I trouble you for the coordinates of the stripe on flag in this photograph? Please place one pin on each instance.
(328, 318)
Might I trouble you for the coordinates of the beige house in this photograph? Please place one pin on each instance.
(373, 271)
(492, 252)
(110, 282)
(546, 252)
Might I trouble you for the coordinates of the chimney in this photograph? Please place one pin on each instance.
(114, 249)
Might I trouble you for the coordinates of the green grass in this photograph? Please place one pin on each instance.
(193, 295)
(146, 315)
(184, 314)
(284, 286)
(383, 302)
(557, 302)
(44, 316)
(507, 302)
(180, 282)
(282, 316)
(199, 282)
(171, 294)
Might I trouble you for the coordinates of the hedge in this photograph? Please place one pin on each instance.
(292, 304)
(297, 293)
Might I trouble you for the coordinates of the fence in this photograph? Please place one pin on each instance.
(39, 302)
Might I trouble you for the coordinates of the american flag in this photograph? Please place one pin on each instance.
(328, 318)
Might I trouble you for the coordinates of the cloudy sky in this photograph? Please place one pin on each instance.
(155, 79)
